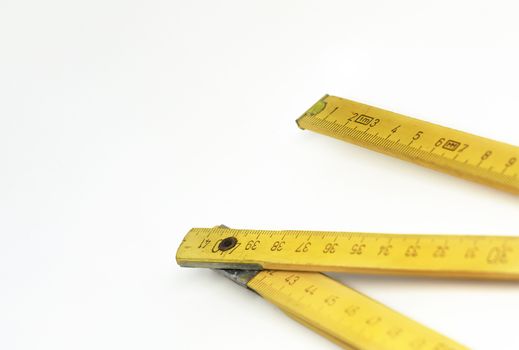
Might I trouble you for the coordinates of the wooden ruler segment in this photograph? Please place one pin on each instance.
(455, 152)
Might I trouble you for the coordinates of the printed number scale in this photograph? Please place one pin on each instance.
(481, 257)
(456, 152)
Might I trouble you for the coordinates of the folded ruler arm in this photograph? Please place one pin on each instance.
(452, 151)
(478, 257)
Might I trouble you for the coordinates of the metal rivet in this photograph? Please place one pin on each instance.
(227, 243)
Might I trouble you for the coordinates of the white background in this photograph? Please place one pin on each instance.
(125, 123)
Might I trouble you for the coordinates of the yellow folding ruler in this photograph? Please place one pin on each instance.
(284, 266)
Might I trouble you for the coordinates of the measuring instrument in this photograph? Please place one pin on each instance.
(278, 266)
(284, 267)
(455, 152)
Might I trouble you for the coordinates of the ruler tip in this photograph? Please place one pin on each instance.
(316, 108)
